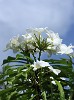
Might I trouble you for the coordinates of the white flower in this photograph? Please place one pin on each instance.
(53, 38)
(23, 41)
(13, 44)
(14, 41)
(56, 71)
(36, 30)
(26, 38)
(27, 42)
(40, 64)
(54, 41)
(64, 49)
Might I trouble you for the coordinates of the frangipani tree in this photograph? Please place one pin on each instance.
(27, 77)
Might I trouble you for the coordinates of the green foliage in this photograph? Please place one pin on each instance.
(23, 83)
(20, 81)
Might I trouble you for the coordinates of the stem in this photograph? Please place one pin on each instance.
(37, 86)
(39, 55)
(34, 56)
(51, 92)
(39, 48)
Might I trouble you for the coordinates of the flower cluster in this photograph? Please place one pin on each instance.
(33, 40)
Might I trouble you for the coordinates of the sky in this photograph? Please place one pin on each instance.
(17, 15)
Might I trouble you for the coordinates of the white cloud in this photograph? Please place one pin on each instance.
(17, 15)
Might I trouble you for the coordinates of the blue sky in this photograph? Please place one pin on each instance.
(17, 15)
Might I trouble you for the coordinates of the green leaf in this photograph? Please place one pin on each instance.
(44, 95)
(19, 56)
(9, 59)
(60, 88)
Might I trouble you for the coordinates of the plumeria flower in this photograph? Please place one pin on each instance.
(56, 71)
(64, 49)
(54, 41)
(53, 38)
(23, 41)
(26, 41)
(26, 38)
(13, 44)
(36, 30)
(40, 64)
